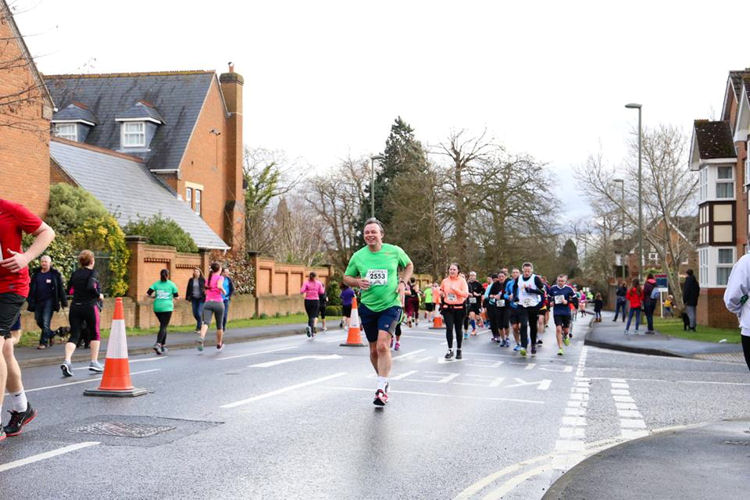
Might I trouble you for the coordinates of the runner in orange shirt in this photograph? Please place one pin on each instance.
(454, 291)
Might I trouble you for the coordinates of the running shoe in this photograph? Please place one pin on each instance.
(474, 332)
(200, 345)
(164, 349)
(157, 349)
(308, 331)
(533, 349)
(220, 347)
(398, 346)
(466, 335)
(96, 366)
(458, 354)
(566, 341)
(449, 354)
(570, 334)
(2, 435)
(539, 342)
(627, 332)
(523, 352)
(381, 398)
(560, 352)
(18, 419)
(517, 348)
(67, 370)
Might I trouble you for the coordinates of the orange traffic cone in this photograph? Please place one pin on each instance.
(354, 338)
(116, 379)
(437, 320)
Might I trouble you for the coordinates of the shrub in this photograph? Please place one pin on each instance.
(70, 207)
(333, 291)
(241, 269)
(103, 235)
(160, 230)
(263, 316)
(333, 310)
(277, 314)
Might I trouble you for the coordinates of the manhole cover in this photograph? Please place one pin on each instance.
(738, 443)
(122, 429)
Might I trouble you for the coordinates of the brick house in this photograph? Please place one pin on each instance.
(25, 112)
(180, 133)
(719, 154)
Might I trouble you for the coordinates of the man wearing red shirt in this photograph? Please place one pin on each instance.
(15, 220)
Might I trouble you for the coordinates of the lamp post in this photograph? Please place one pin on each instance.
(640, 190)
(622, 223)
(372, 183)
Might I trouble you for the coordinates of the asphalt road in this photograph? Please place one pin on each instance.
(293, 418)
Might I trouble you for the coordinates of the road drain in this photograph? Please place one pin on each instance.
(123, 429)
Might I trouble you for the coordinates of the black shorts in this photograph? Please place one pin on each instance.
(429, 306)
(10, 310)
(475, 308)
(514, 315)
(562, 320)
(322, 310)
(376, 321)
(346, 311)
(502, 316)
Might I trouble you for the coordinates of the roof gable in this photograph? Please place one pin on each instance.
(173, 98)
(712, 140)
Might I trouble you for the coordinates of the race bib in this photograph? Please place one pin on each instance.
(500, 303)
(472, 300)
(377, 276)
(528, 302)
(452, 297)
(559, 299)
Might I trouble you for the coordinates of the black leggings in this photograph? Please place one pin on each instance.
(80, 313)
(746, 348)
(454, 319)
(164, 317)
(312, 307)
(493, 314)
(529, 316)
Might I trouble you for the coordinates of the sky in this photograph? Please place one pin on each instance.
(325, 79)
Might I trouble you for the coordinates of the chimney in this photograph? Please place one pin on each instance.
(234, 210)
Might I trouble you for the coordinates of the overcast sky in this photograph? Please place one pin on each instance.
(325, 79)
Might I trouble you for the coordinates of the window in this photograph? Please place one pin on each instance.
(703, 266)
(704, 184)
(133, 134)
(724, 182)
(653, 256)
(198, 197)
(724, 264)
(189, 196)
(66, 131)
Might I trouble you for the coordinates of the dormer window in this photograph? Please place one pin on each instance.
(66, 131)
(133, 134)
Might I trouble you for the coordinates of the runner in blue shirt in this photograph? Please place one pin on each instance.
(562, 295)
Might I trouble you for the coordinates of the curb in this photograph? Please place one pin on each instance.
(84, 356)
(632, 349)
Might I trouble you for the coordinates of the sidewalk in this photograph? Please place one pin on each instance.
(709, 461)
(31, 356)
(611, 335)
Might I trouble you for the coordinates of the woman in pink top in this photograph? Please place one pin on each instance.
(214, 306)
(312, 289)
(454, 291)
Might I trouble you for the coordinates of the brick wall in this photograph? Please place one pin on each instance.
(24, 125)
(711, 310)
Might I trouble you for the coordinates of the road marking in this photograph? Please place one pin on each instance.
(269, 364)
(484, 482)
(452, 396)
(572, 432)
(96, 379)
(282, 391)
(676, 381)
(255, 353)
(46, 455)
(404, 375)
(408, 354)
(542, 385)
(632, 424)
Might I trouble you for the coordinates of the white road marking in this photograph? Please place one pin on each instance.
(95, 379)
(46, 455)
(404, 375)
(281, 391)
(255, 353)
(542, 385)
(484, 482)
(677, 381)
(408, 354)
(269, 364)
(131, 361)
(452, 396)
(631, 421)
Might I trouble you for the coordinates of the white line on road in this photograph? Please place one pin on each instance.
(139, 360)
(255, 353)
(96, 379)
(281, 391)
(408, 354)
(46, 455)
(269, 364)
(404, 375)
(677, 381)
(484, 482)
(434, 394)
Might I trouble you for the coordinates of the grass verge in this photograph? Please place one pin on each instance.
(674, 328)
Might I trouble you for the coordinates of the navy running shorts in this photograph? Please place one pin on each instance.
(374, 322)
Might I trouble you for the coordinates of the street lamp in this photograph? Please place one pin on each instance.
(622, 222)
(372, 183)
(640, 191)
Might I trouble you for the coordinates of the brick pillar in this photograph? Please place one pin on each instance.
(234, 209)
(136, 282)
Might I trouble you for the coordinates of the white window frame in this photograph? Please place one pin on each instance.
(724, 181)
(703, 262)
(189, 196)
(63, 131)
(723, 265)
(703, 183)
(133, 134)
(198, 201)
(747, 168)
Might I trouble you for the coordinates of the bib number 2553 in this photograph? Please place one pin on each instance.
(377, 276)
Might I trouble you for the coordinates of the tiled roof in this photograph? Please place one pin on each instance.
(177, 95)
(128, 190)
(736, 78)
(141, 110)
(75, 112)
(714, 140)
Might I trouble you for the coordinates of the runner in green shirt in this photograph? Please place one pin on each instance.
(374, 270)
(429, 306)
(164, 291)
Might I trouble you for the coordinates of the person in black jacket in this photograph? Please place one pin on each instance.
(690, 292)
(46, 295)
(621, 302)
(196, 294)
(84, 308)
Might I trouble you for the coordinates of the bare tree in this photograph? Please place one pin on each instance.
(669, 189)
(296, 233)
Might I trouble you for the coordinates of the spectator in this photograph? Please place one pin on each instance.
(323, 299)
(196, 294)
(164, 291)
(690, 292)
(635, 297)
(227, 295)
(650, 292)
(735, 298)
(668, 306)
(46, 296)
(347, 294)
(598, 304)
(620, 303)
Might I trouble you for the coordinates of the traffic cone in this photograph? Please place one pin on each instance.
(116, 379)
(354, 338)
(437, 321)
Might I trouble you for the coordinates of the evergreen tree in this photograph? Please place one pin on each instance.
(569, 259)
